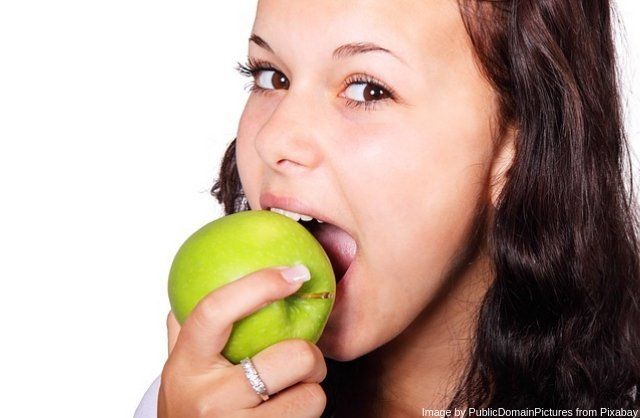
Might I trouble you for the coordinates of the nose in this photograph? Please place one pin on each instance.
(289, 139)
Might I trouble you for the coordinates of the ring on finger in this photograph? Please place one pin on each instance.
(254, 378)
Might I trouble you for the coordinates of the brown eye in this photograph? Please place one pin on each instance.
(373, 92)
(366, 92)
(271, 80)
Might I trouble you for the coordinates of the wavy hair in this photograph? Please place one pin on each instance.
(560, 325)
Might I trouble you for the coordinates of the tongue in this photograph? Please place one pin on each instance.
(338, 245)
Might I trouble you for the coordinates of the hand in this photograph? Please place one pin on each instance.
(197, 381)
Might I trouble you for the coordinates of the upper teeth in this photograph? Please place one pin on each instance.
(293, 215)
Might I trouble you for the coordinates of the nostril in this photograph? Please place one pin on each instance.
(287, 163)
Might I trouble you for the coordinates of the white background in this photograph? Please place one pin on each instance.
(113, 118)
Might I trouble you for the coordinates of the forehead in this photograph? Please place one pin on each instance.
(410, 28)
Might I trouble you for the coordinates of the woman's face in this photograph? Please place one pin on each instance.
(394, 145)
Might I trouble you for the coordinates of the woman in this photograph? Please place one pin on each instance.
(472, 155)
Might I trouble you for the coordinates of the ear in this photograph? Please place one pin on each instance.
(503, 158)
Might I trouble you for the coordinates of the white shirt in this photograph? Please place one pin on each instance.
(148, 407)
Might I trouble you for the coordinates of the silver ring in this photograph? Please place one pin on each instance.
(254, 378)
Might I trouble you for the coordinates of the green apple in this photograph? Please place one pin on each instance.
(238, 244)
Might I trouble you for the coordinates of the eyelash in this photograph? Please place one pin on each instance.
(252, 67)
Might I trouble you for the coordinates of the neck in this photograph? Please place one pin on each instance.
(422, 366)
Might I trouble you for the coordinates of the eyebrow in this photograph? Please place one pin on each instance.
(260, 42)
(343, 51)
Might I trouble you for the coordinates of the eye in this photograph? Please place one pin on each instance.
(265, 75)
(271, 79)
(366, 92)
(360, 90)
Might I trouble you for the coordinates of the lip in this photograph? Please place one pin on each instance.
(344, 297)
(269, 200)
(342, 283)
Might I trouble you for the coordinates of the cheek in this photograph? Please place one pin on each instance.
(417, 187)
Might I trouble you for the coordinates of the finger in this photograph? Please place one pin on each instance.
(173, 329)
(304, 400)
(206, 331)
(279, 366)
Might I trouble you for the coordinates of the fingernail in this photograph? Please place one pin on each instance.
(295, 274)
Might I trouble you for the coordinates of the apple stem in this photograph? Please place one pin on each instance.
(317, 295)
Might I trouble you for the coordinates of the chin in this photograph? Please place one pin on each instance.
(344, 345)
(338, 352)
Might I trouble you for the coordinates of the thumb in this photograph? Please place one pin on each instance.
(207, 328)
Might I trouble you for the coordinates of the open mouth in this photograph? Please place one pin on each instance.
(337, 243)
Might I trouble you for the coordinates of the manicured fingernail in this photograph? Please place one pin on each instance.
(296, 274)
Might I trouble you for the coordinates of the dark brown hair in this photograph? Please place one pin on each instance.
(560, 325)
